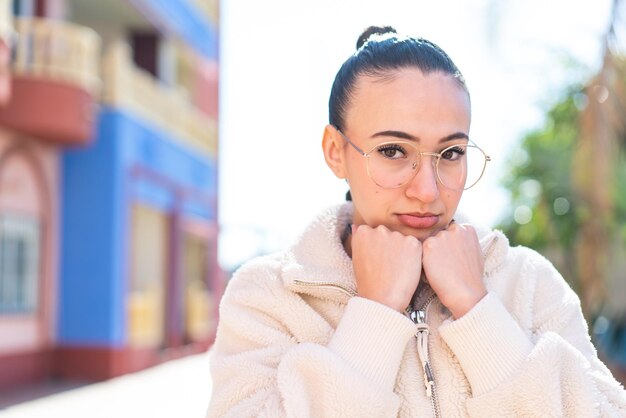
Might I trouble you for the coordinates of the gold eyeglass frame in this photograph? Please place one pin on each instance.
(417, 164)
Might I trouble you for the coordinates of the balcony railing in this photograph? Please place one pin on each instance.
(210, 8)
(126, 85)
(58, 50)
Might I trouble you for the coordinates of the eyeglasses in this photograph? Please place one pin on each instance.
(393, 164)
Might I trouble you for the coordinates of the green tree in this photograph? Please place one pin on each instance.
(568, 184)
(544, 205)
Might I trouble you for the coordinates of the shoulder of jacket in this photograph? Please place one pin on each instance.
(261, 273)
(538, 268)
(531, 260)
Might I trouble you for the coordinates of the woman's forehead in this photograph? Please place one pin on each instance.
(409, 100)
(408, 82)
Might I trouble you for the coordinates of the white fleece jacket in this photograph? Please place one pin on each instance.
(294, 340)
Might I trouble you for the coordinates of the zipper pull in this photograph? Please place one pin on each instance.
(421, 336)
(428, 380)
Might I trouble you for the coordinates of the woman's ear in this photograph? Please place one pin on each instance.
(333, 147)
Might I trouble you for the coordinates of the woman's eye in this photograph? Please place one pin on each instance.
(392, 151)
(453, 154)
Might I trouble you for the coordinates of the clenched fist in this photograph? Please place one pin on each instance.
(454, 265)
(387, 265)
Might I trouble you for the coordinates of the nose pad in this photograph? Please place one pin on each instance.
(433, 161)
(425, 184)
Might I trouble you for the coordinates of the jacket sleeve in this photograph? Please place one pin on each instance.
(260, 368)
(547, 368)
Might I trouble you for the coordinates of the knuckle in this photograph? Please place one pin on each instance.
(411, 240)
(381, 229)
(368, 229)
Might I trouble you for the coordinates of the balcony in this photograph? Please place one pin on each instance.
(210, 9)
(55, 81)
(128, 87)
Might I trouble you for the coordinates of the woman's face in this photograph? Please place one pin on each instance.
(433, 112)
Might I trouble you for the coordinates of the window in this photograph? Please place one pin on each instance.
(199, 301)
(149, 261)
(24, 8)
(19, 264)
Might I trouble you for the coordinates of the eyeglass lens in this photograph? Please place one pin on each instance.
(458, 167)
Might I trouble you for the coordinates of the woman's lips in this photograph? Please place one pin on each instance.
(421, 221)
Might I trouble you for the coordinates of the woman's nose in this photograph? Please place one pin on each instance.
(424, 186)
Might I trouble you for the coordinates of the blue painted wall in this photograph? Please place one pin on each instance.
(91, 181)
(98, 191)
(184, 18)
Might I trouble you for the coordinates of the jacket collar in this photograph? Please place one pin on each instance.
(319, 259)
(318, 265)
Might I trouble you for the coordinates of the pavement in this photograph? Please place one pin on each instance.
(179, 388)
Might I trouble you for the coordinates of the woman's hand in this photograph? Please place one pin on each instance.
(387, 265)
(453, 263)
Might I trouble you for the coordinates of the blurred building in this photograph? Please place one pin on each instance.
(108, 185)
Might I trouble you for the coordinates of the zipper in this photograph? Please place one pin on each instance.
(418, 316)
(329, 285)
(490, 247)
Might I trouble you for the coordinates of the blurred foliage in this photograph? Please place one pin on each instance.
(568, 186)
(547, 209)
(539, 175)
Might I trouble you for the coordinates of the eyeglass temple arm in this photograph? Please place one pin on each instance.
(359, 150)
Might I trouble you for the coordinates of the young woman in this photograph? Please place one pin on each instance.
(390, 304)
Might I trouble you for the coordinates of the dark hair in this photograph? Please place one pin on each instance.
(380, 50)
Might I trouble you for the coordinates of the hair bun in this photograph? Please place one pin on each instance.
(373, 30)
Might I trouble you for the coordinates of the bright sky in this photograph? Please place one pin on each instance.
(278, 61)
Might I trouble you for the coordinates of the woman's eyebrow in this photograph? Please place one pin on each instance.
(404, 135)
(396, 134)
(456, 135)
